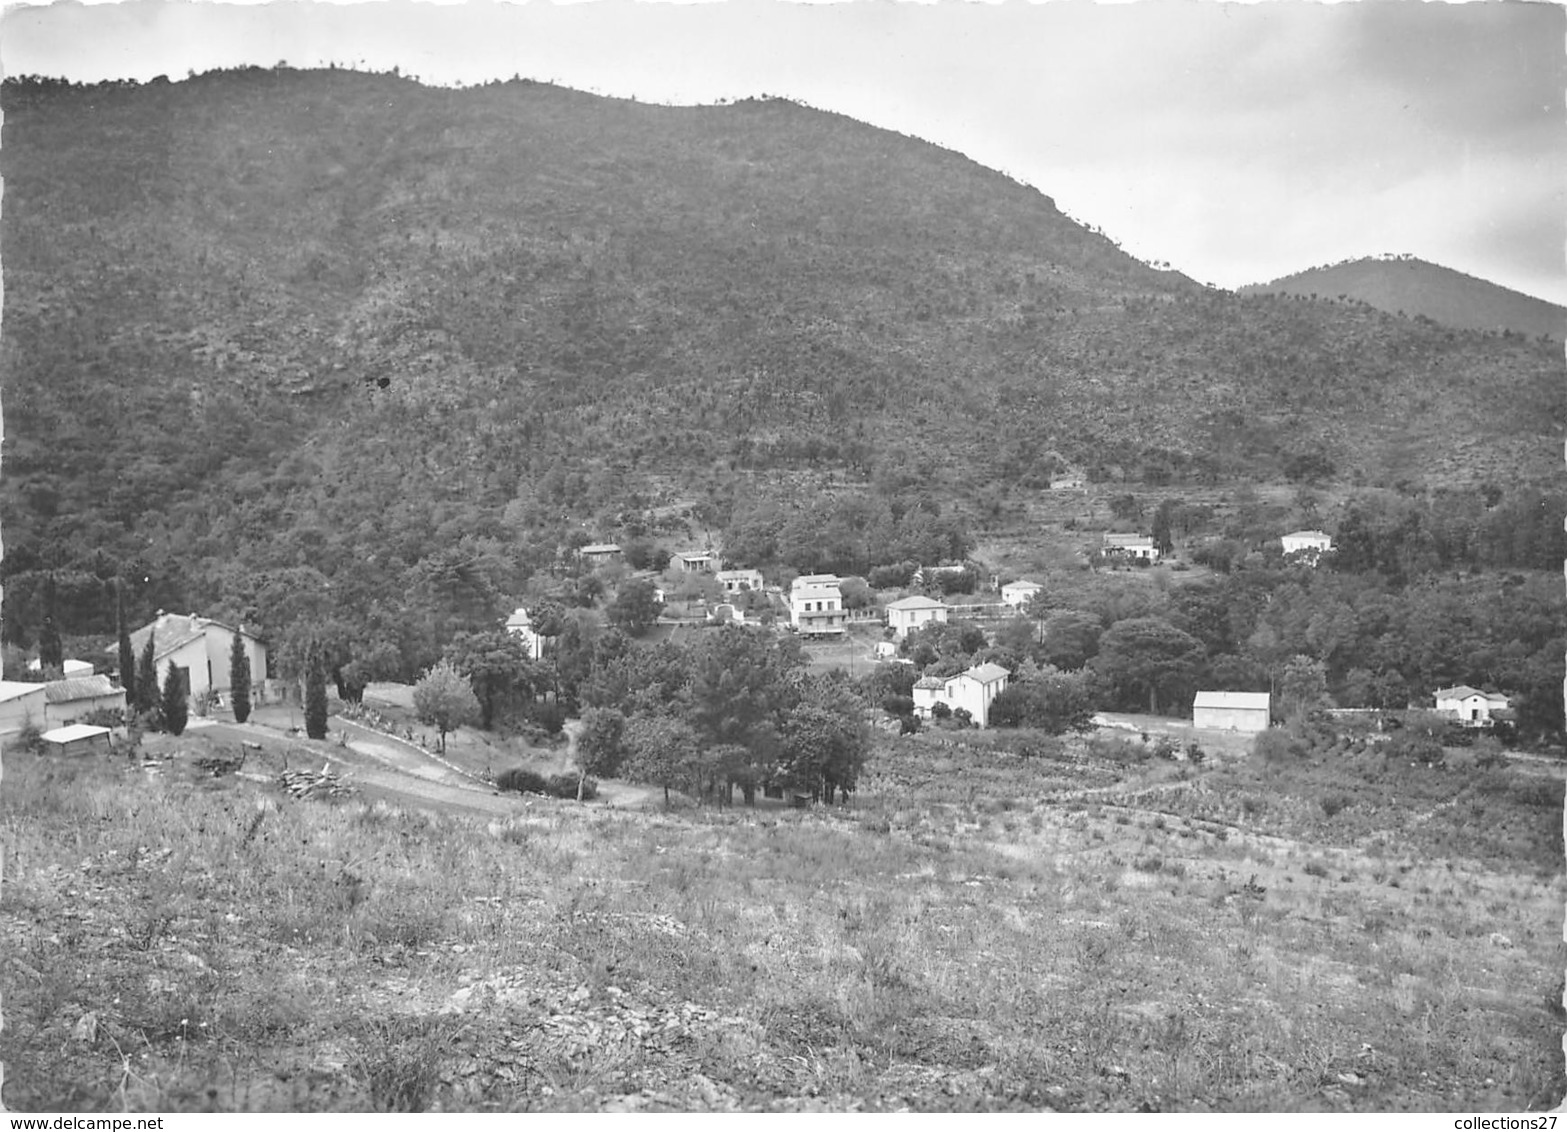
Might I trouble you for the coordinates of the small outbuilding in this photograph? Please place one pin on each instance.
(21, 705)
(1231, 711)
(77, 739)
(66, 701)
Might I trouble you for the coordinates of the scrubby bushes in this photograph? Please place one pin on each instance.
(524, 781)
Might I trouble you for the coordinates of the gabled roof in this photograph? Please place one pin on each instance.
(1128, 540)
(1248, 700)
(79, 688)
(987, 673)
(600, 548)
(1022, 584)
(519, 619)
(16, 689)
(1464, 691)
(930, 683)
(1321, 535)
(174, 631)
(918, 601)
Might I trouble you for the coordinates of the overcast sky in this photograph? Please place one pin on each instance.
(1238, 142)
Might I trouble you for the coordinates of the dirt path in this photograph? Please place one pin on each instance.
(385, 767)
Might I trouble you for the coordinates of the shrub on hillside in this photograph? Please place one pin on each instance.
(1278, 744)
(551, 716)
(565, 786)
(524, 781)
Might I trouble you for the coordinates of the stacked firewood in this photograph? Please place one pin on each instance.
(321, 783)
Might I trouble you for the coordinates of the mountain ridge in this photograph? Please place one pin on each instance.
(270, 320)
(1408, 285)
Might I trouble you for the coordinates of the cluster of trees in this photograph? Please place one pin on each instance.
(731, 710)
(847, 533)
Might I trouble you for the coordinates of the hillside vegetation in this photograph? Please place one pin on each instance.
(1065, 926)
(278, 333)
(1410, 286)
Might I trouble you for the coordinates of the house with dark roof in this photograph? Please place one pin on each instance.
(199, 647)
(66, 701)
(1131, 547)
(599, 553)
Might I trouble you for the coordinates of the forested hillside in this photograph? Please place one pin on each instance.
(298, 344)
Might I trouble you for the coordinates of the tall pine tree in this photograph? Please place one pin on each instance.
(176, 701)
(315, 696)
(239, 679)
(127, 654)
(147, 675)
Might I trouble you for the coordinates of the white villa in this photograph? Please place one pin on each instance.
(1019, 593)
(975, 690)
(911, 613)
(816, 605)
(1308, 543)
(1469, 706)
(1131, 546)
(521, 625)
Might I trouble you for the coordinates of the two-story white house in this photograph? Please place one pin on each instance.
(199, 648)
(1470, 706)
(975, 690)
(910, 613)
(816, 605)
(1019, 593)
(1309, 544)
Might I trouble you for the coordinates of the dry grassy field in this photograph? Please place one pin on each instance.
(995, 922)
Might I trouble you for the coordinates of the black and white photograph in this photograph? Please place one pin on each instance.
(761, 556)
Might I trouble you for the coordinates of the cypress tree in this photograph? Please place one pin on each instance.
(315, 696)
(127, 654)
(51, 650)
(239, 679)
(176, 702)
(147, 675)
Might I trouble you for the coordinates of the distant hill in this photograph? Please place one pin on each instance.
(333, 323)
(1413, 287)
